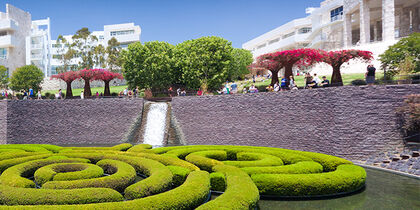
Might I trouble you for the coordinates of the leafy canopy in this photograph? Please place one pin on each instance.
(4, 78)
(397, 53)
(26, 77)
(149, 65)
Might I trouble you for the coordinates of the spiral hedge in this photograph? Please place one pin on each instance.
(181, 177)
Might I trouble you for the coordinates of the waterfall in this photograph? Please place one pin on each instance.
(155, 124)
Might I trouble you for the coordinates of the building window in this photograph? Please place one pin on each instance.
(56, 56)
(305, 30)
(118, 33)
(101, 37)
(288, 35)
(56, 45)
(3, 53)
(274, 41)
(337, 14)
(261, 46)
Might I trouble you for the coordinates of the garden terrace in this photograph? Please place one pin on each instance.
(181, 177)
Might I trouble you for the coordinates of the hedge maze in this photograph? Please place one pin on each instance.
(181, 177)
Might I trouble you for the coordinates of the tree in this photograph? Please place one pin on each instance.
(88, 75)
(241, 60)
(107, 76)
(204, 62)
(287, 59)
(83, 44)
(113, 50)
(99, 54)
(149, 65)
(338, 58)
(65, 54)
(68, 77)
(267, 61)
(4, 78)
(26, 77)
(396, 54)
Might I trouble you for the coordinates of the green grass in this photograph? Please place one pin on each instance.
(76, 92)
(263, 82)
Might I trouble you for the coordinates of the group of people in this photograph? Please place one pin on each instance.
(126, 93)
(315, 81)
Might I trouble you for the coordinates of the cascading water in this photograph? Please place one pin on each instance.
(155, 124)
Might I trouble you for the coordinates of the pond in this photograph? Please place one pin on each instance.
(384, 190)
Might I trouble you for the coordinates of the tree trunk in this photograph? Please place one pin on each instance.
(69, 92)
(288, 71)
(107, 92)
(275, 77)
(86, 91)
(336, 79)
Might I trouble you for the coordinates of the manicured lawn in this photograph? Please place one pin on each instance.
(263, 82)
(76, 92)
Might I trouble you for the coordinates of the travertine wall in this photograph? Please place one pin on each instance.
(351, 122)
(95, 121)
(3, 122)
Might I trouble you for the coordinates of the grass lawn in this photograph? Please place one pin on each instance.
(347, 78)
(76, 92)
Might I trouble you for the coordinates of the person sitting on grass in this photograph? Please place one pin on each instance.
(325, 82)
(253, 89)
(276, 87)
(283, 84)
(269, 88)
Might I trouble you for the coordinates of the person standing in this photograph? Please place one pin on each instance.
(82, 95)
(370, 75)
(39, 95)
(25, 95)
(31, 93)
(60, 94)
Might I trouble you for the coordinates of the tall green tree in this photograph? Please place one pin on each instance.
(397, 53)
(149, 65)
(66, 53)
(113, 60)
(204, 62)
(99, 56)
(4, 78)
(26, 77)
(83, 43)
(241, 60)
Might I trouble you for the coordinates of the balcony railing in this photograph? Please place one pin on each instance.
(36, 46)
(337, 17)
(36, 56)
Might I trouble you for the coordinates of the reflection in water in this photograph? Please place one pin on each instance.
(384, 190)
(155, 124)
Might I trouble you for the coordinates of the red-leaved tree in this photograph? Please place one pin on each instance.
(267, 61)
(338, 58)
(88, 75)
(289, 58)
(68, 77)
(107, 76)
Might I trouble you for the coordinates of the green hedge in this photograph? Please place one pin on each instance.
(189, 195)
(218, 181)
(248, 159)
(205, 160)
(32, 147)
(346, 178)
(240, 193)
(179, 175)
(66, 172)
(140, 148)
(14, 176)
(122, 175)
(304, 167)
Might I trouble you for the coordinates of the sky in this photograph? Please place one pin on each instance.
(173, 21)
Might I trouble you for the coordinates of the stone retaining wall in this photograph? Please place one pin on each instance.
(93, 121)
(351, 122)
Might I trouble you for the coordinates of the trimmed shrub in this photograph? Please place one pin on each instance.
(240, 193)
(304, 167)
(140, 148)
(66, 172)
(179, 175)
(217, 181)
(346, 178)
(5, 164)
(122, 175)
(358, 82)
(247, 159)
(205, 160)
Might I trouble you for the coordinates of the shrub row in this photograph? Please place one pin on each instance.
(14, 176)
(119, 147)
(240, 193)
(189, 195)
(249, 159)
(304, 167)
(346, 178)
(205, 160)
(159, 176)
(32, 147)
(67, 171)
(218, 181)
(122, 175)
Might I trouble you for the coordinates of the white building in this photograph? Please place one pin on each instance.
(15, 26)
(38, 46)
(125, 34)
(371, 25)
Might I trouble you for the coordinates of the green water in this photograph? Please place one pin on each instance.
(384, 190)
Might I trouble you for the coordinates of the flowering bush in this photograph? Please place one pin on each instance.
(68, 77)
